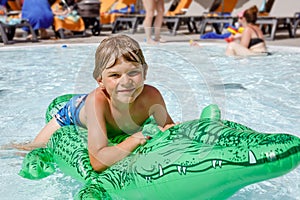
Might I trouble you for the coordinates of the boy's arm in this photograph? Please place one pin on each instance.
(159, 110)
(101, 155)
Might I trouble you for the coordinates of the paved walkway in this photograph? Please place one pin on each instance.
(282, 39)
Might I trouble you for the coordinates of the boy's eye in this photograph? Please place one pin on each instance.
(134, 73)
(114, 75)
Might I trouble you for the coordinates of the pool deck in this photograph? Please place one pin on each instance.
(281, 39)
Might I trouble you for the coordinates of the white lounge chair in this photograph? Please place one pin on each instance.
(8, 28)
(222, 15)
(281, 16)
(185, 13)
(296, 23)
(245, 4)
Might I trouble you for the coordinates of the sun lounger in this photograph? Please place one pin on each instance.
(180, 9)
(221, 15)
(105, 14)
(14, 5)
(243, 5)
(175, 16)
(131, 21)
(11, 21)
(296, 23)
(184, 12)
(8, 31)
(120, 14)
(281, 17)
(187, 13)
(72, 22)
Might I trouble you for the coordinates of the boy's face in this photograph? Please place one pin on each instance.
(124, 81)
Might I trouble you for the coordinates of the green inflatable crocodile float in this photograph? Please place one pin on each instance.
(207, 158)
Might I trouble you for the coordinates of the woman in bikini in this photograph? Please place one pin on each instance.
(251, 41)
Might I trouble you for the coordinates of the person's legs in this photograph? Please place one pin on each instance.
(230, 50)
(41, 139)
(235, 49)
(43, 33)
(259, 48)
(149, 6)
(160, 8)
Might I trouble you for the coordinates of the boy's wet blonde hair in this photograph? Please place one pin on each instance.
(113, 48)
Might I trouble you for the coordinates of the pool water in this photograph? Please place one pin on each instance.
(261, 92)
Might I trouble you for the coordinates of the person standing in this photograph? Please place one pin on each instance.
(152, 6)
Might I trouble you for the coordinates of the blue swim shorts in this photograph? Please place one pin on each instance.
(69, 114)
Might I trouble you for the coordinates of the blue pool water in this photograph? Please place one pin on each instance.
(260, 92)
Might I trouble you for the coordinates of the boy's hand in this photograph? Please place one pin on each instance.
(140, 137)
(166, 127)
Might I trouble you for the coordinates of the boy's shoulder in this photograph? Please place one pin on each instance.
(99, 95)
(150, 89)
(151, 93)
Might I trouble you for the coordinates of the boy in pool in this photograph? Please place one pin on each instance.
(120, 104)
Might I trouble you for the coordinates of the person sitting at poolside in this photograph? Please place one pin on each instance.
(39, 15)
(251, 41)
(66, 17)
(121, 103)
